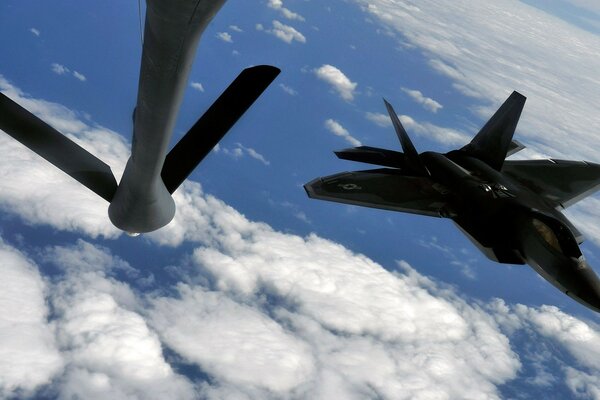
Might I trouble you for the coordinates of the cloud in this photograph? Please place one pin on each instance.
(79, 76)
(29, 354)
(338, 80)
(334, 127)
(225, 36)
(236, 28)
(59, 69)
(288, 89)
(333, 324)
(278, 5)
(108, 348)
(283, 32)
(426, 102)
(434, 132)
(34, 31)
(198, 86)
(240, 150)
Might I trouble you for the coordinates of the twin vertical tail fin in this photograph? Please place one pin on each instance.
(412, 160)
(56, 148)
(215, 123)
(494, 141)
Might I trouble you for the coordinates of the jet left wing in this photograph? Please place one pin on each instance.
(383, 188)
(561, 182)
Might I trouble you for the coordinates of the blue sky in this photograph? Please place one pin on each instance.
(254, 290)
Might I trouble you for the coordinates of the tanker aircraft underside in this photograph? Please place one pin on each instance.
(142, 201)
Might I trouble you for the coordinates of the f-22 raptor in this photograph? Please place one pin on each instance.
(142, 201)
(509, 209)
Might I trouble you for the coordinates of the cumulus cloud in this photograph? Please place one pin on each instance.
(426, 102)
(283, 32)
(197, 86)
(236, 28)
(225, 36)
(60, 69)
(337, 129)
(338, 80)
(278, 5)
(79, 76)
(28, 351)
(334, 324)
(240, 150)
(434, 132)
(289, 90)
(34, 31)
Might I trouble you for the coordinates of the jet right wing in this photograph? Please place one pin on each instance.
(561, 182)
(383, 188)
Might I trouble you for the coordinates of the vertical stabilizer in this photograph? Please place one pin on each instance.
(412, 160)
(493, 141)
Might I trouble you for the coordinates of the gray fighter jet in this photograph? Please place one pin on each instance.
(142, 201)
(509, 209)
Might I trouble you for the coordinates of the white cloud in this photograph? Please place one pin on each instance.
(426, 102)
(225, 36)
(288, 89)
(333, 324)
(34, 31)
(440, 134)
(198, 86)
(283, 32)
(59, 69)
(28, 352)
(337, 129)
(236, 28)
(109, 350)
(278, 5)
(338, 80)
(79, 76)
(240, 150)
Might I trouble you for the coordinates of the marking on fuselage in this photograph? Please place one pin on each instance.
(349, 186)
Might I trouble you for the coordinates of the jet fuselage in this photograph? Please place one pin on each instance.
(512, 224)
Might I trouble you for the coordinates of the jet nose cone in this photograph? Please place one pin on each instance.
(588, 286)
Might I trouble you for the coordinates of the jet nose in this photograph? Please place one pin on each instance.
(587, 288)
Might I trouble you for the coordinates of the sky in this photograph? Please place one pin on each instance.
(255, 291)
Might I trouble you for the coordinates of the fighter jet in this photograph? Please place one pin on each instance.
(511, 210)
(142, 201)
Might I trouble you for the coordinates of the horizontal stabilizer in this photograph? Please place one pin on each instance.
(514, 147)
(214, 124)
(56, 148)
(492, 143)
(372, 155)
